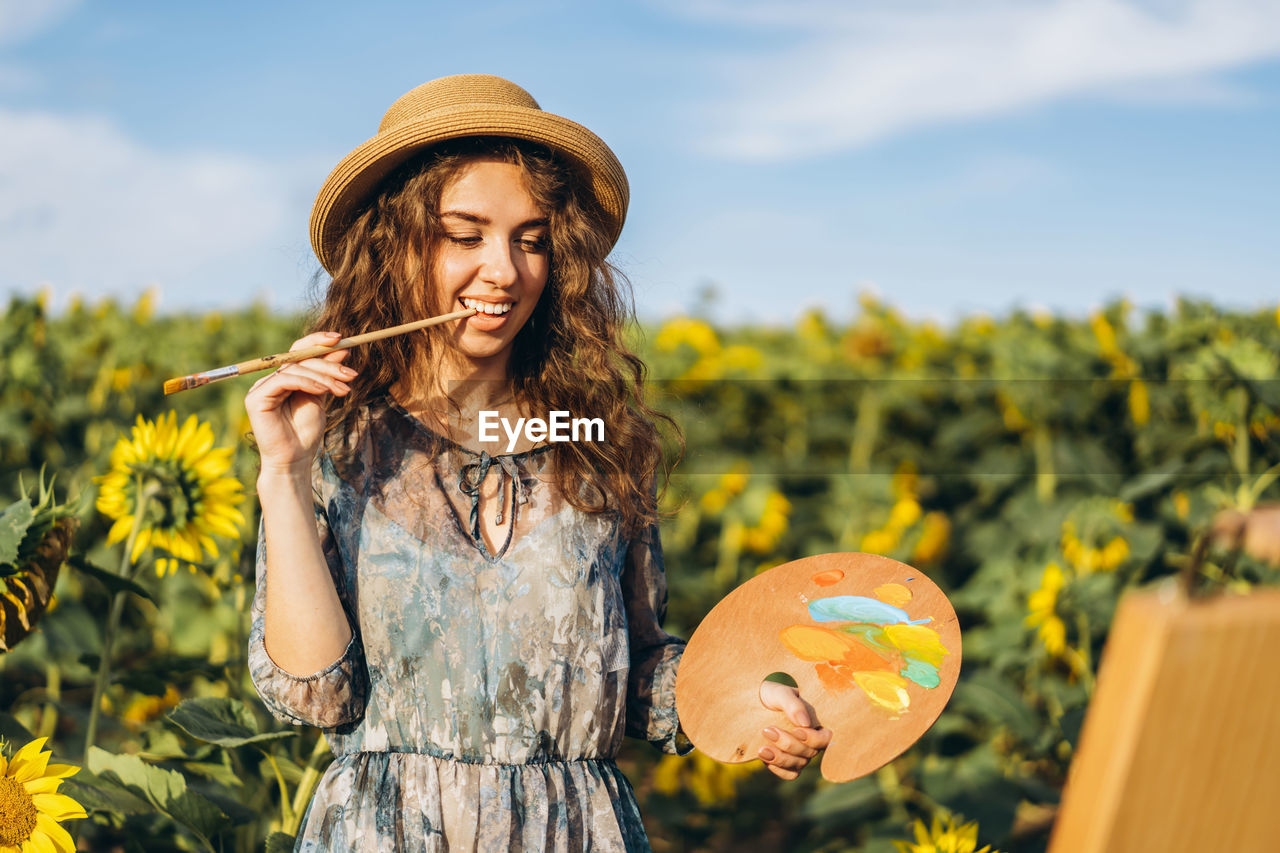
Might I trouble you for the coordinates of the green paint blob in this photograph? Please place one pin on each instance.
(924, 674)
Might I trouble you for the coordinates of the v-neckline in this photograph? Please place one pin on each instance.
(476, 540)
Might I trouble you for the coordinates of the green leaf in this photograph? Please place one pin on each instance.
(846, 804)
(992, 698)
(112, 581)
(279, 842)
(973, 784)
(14, 732)
(144, 682)
(1151, 481)
(103, 794)
(166, 790)
(1266, 392)
(14, 521)
(225, 722)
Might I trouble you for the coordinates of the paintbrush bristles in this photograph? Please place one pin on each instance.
(195, 380)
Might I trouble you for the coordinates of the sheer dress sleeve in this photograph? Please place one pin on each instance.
(655, 654)
(329, 698)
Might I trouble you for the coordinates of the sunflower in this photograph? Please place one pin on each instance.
(1042, 611)
(35, 536)
(183, 479)
(30, 805)
(943, 838)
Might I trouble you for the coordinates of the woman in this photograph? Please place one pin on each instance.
(476, 629)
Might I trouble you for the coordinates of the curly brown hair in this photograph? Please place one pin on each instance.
(569, 356)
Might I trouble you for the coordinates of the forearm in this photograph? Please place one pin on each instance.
(305, 627)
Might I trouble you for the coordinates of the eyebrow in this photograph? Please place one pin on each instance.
(540, 221)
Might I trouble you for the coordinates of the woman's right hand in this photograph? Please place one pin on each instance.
(286, 408)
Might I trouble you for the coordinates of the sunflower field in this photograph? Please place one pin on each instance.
(1034, 466)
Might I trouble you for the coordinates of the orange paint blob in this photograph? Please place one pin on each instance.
(862, 658)
(827, 578)
(835, 677)
(811, 643)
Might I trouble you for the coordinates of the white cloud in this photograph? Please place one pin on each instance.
(851, 73)
(84, 207)
(22, 19)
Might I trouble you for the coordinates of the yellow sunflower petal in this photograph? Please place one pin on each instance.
(222, 526)
(58, 806)
(42, 785)
(58, 837)
(61, 771)
(185, 435)
(20, 609)
(120, 530)
(213, 465)
(30, 756)
(140, 544)
(186, 546)
(38, 842)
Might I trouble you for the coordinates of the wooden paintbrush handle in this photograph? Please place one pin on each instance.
(280, 359)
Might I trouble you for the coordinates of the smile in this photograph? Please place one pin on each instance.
(494, 308)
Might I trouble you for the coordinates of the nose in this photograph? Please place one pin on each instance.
(499, 264)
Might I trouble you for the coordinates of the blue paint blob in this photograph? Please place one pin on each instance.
(859, 608)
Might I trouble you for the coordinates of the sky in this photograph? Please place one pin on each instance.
(948, 157)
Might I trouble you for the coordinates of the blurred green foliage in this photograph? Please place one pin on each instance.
(1035, 466)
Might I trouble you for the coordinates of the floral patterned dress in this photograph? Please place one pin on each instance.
(483, 696)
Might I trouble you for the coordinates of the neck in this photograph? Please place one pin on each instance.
(455, 390)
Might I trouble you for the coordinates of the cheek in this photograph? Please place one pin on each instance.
(451, 273)
(535, 275)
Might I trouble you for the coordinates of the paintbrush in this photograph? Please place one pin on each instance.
(253, 365)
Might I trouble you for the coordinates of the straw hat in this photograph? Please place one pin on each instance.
(450, 108)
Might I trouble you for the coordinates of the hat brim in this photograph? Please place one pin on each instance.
(353, 182)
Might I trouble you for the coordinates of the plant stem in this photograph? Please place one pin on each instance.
(725, 575)
(866, 431)
(286, 809)
(52, 698)
(1046, 475)
(113, 621)
(307, 784)
(894, 794)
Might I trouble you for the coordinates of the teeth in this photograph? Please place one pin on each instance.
(493, 308)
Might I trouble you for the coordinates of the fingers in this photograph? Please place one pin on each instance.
(817, 738)
(315, 376)
(790, 751)
(316, 339)
(318, 376)
(788, 744)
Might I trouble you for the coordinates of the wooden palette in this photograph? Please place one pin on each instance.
(873, 645)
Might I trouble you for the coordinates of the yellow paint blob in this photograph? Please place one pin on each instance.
(893, 593)
(888, 690)
(918, 642)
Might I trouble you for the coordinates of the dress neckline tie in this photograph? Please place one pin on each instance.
(471, 479)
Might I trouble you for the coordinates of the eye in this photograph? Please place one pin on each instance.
(466, 240)
(534, 245)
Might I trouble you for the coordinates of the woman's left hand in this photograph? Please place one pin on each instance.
(790, 750)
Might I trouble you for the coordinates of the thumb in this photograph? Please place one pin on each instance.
(788, 701)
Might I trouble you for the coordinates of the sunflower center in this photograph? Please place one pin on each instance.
(17, 812)
(174, 494)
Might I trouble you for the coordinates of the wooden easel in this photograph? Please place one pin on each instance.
(1181, 745)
